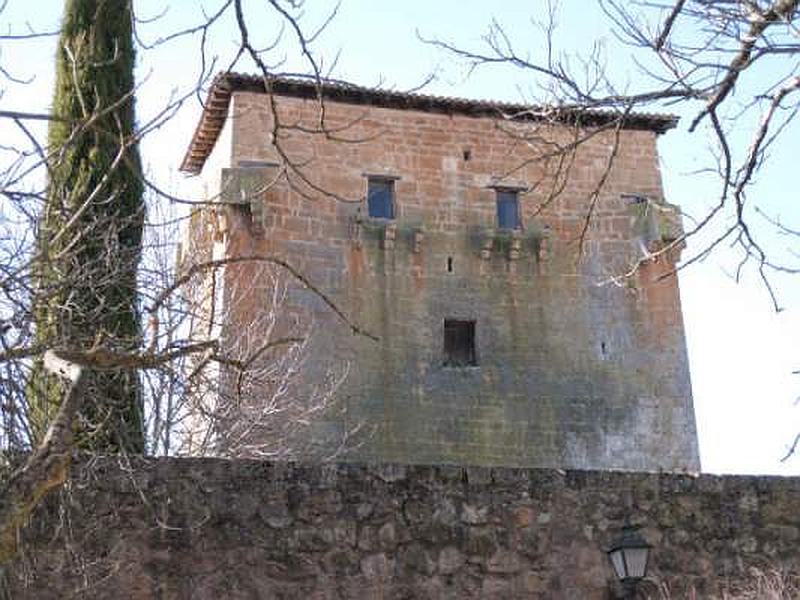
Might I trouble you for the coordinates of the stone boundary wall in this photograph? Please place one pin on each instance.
(208, 529)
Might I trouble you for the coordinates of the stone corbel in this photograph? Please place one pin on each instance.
(244, 188)
(514, 248)
(356, 232)
(487, 243)
(389, 235)
(419, 236)
(656, 226)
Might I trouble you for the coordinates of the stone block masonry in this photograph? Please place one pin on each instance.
(208, 529)
(565, 370)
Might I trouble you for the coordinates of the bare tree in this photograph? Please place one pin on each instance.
(238, 392)
(193, 386)
(732, 64)
(731, 67)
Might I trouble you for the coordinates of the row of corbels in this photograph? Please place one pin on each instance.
(390, 236)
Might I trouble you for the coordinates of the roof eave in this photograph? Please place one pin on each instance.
(225, 84)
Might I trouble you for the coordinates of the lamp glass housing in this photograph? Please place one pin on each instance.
(629, 555)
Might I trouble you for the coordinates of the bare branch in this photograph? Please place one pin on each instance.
(47, 467)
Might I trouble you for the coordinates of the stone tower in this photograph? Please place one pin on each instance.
(510, 262)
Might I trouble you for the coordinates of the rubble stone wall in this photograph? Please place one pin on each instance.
(209, 529)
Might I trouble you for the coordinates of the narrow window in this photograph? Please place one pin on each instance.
(459, 343)
(508, 209)
(380, 198)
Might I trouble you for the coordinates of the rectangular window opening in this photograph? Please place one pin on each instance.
(508, 209)
(459, 343)
(380, 198)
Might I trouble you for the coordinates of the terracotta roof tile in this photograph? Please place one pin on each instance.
(226, 83)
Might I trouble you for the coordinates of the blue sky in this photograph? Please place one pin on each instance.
(742, 353)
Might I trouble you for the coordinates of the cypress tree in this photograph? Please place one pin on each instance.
(90, 229)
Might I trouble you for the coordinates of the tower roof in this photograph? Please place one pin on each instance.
(226, 83)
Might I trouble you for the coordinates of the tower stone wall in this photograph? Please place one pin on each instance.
(579, 350)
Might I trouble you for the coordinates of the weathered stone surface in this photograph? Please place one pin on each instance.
(376, 566)
(503, 561)
(450, 560)
(416, 558)
(194, 532)
(569, 373)
(474, 515)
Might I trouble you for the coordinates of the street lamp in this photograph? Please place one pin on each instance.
(628, 555)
